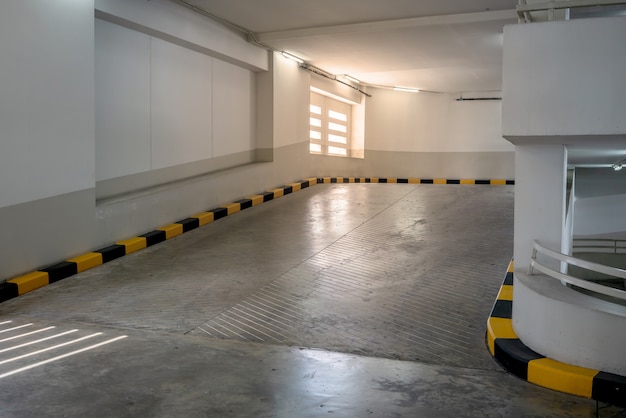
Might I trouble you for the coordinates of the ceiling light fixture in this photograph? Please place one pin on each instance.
(354, 80)
(408, 89)
(292, 57)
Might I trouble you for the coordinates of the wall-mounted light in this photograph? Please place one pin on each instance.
(408, 89)
(292, 57)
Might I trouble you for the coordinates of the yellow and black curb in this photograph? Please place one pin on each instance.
(28, 282)
(517, 358)
(492, 182)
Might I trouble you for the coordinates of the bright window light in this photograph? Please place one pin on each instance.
(337, 115)
(338, 139)
(337, 150)
(329, 126)
(337, 127)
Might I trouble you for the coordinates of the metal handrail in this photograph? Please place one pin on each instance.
(523, 9)
(564, 278)
(599, 244)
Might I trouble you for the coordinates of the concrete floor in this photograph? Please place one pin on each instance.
(356, 300)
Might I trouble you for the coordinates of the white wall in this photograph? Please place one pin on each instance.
(155, 105)
(564, 78)
(602, 215)
(433, 135)
(429, 122)
(291, 102)
(46, 99)
(600, 202)
(180, 101)
(540, 181)
(46, 132)
(122, 101)
(286, 93)
(234, 109)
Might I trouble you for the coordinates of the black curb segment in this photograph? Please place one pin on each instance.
(112, 252)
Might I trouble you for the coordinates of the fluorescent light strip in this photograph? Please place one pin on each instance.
(14, 328)
(43, 350)
(25, 335)
(5, 322)
(62, 356)
(37, 341)
(410, 90)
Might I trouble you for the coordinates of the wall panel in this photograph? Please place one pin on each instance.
(181, 114)
(46, 99)
(233, 110)
(122, 101)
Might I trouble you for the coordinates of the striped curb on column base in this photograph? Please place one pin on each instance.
(517, 358)
(28, 282)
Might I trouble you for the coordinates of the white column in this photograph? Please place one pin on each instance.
(540, 185)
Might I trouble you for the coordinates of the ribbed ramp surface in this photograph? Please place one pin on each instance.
(414, 281)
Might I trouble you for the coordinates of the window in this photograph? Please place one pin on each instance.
(329, 124)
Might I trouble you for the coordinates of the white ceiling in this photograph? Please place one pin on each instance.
(436, 45)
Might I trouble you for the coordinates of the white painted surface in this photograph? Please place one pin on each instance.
(233, 109)
(142, 213)
(43, 232)
(594, 182)
(447, 165)
(600, 202)
(122, 101)
(177, 21)
(540, 180)
(181, 109)
(160, 104)
(600, 215)
(291, 102)
(427, 122)
(46, 99)
(565, 78)
(567, 326)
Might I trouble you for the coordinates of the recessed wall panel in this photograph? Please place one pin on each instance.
(122, 101)
(181, 105)
(233, 112)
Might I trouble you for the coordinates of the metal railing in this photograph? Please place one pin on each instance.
(535, 264)
(599, 245)
(524, 10)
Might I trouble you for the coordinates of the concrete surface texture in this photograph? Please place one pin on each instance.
(350, 300)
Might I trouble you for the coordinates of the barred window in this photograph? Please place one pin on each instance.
(329, 122)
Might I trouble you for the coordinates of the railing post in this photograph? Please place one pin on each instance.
(533, 256)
